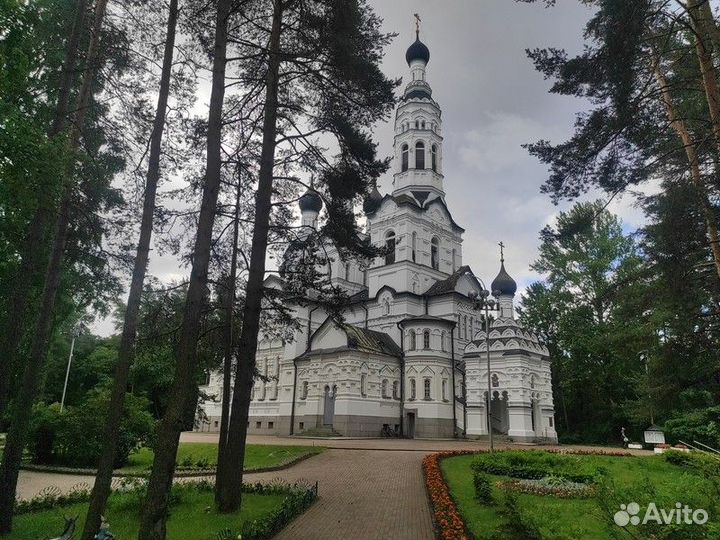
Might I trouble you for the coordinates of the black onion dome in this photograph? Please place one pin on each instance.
(372, 201)
(310, 201)
(503, 283)
(417, 51)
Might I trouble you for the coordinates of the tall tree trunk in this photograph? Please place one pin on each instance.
(705, 15)
(231, 469)
(704, 29)
(31, 266)
(126, 354)
(681, 129)
(16, 437)
(228, 339)
(155, 509)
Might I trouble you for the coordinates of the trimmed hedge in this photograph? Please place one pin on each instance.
(483, 489)
(531, 465)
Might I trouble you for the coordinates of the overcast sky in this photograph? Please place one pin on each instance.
(493, 101)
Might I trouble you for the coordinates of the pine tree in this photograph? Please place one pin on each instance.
(338, 48)
(103, 478)
(640, 70)
(154, 513)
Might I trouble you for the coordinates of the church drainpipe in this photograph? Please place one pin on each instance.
(402, 379)
(452, 359)
(292, 406)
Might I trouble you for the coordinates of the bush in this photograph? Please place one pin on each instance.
(697, 425)
(535, 466)
(44, 426)
(483, 490)
(72, 438)
(517, 526)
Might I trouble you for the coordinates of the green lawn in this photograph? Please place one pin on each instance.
(634, 479)
(257, 456)
(192, 517)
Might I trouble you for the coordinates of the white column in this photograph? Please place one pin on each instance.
(520, 416)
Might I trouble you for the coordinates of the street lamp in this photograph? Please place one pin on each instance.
(485, 301)
(75, 333)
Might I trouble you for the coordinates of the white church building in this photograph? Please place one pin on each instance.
(411, 356)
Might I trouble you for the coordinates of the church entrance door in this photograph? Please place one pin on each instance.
(410, 425)
(329, 408)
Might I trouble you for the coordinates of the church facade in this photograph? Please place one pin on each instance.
(411, 356)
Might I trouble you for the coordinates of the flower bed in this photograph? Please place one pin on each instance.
(447, 520)
(562, 490)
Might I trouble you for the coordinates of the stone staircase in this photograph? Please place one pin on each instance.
(323, 431)
(497, 438)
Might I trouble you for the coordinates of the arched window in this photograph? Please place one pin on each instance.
(494, 380)
(262, 391)
(435, 253)
(532, 381)
(422, 124)
(347, 271)
(304, 394)
(363, 385)
(384, 388)
(386, 306)
(390, 246)
(404, 158)
(444, 389)
(433, 157)
(275, 390)
(396, 390)
(426, 339)
(443, 335)
(413, 389)
(472, 328)
(427, 389)
(419, 155)
(453, 260)
(465, 327)
(412, 344)
(414, 245)
(417, 124)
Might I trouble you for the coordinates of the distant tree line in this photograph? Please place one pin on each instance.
(633, 318)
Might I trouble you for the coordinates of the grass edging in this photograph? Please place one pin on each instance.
(180, 471)
(448, 523)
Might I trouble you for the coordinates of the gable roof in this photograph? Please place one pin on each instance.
(448, 284)
(364, 339)
(359, 339)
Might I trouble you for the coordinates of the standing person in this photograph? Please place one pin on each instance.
(624, 437)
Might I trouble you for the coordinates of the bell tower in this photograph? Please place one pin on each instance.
(418, 132)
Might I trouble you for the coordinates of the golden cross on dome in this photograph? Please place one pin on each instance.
(418, 20)
(502, 253)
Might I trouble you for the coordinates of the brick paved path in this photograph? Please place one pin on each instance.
(364, 494)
